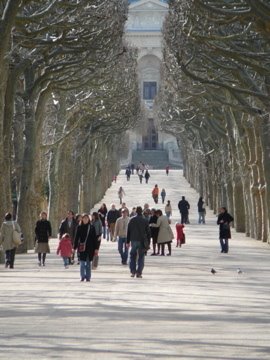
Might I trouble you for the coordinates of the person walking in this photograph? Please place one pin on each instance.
(43, 231)
(128, 173)
(155, 193)
(224, 220)
(168, 209)
(96, 222)
(201, 211)
(65, 249)
(138, 235)
(154, 232)
(140, 174)
(102, 212)
(184, 207)
(112, 216)
(163, 195)
(167, 169)
(165, 234)
(6, 239)
(87, 245)
(121, 194)
(120, 233)
(146, 176)
(68, 226)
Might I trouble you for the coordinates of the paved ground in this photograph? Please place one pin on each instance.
(179, 310)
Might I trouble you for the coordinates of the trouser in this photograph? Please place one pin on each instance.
(10, 258)
(85, 269)
(43, 257)
(66, 260)
(122, 248)
(111, 230)
(184, 218)
(224, 243)
(201, 217)
(137, 254)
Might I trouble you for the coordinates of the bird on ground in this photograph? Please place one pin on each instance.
(239, 271)
(213, 271)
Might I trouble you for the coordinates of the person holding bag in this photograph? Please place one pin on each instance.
(6, 239)
(87, 244)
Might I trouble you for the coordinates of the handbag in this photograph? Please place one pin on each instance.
(95, 262)
(82, 245)
(16, 236)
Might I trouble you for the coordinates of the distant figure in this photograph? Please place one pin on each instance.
(43, 232)
(102, 212)
(224, 220)
(155, 193)
(133, 212)
(168, 209)
(201, 211)
(112, 216)
(163, 195)
(165, 234)
(128, 173)
(140, 174)
(115, 178)
(120, 233)
(167, 170)
(147, 176)
(132, 167)
(154, 232)
(6, 239)
(121, 193)
(184, 207)
(180, 235)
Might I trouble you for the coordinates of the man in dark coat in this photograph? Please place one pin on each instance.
(138, 235)
(224, 220)
(184, 207)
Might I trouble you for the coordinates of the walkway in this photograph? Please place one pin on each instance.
(179, 310)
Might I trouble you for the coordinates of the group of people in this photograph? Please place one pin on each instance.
(136, 229)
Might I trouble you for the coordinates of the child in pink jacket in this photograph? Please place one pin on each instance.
(65, 249)
(180, 235)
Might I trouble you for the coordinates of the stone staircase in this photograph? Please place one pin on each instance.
(156, 159)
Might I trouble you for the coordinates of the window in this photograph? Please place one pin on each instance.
(149, 90)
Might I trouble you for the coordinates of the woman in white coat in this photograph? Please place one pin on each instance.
(165, 233)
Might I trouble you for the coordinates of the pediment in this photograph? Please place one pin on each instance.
(148, 5)
(146, 15)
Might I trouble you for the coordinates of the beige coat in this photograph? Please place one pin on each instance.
(165, 233)
(6, 234)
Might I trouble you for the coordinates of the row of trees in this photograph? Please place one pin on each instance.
(68, 91)
(215, 98)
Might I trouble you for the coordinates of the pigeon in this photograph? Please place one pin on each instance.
(239, 271)
(213, 271)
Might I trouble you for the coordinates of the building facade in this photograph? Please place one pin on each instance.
(143, 31)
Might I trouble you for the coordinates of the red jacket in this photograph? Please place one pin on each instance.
(179, 231)
(64, 247)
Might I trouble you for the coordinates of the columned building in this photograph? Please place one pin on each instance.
(143, 31)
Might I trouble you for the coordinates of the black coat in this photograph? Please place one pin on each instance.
(224, 227)
(154, 230)
(91, 241)
(201, 206)
(138, 229)
(183, 206)
(112, 216)
(43, 230)
(65, 228)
